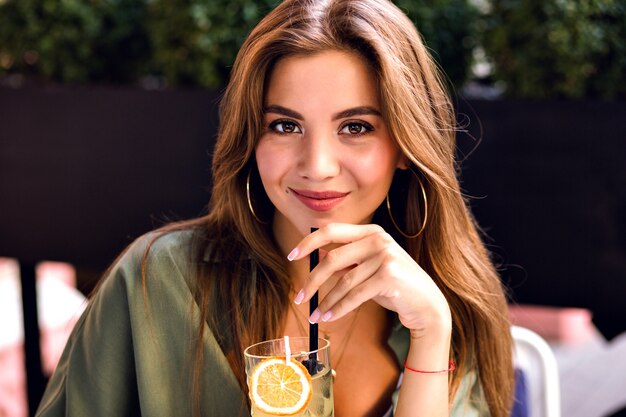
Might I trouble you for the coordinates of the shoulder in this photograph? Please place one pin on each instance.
(163, 246)
(157, 257)
(154, 279)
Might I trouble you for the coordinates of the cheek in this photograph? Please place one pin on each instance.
(270, 164)
(377, 168)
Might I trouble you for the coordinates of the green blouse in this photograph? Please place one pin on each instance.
(129, 354)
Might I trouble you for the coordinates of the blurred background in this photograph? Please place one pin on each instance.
(108, 113)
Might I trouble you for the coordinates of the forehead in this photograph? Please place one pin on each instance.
(336, 78)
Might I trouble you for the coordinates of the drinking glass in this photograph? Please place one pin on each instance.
(321, 404)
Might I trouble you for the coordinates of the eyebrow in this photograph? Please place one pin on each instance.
(355, 111)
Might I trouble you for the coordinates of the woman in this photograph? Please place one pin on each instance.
(334, 118)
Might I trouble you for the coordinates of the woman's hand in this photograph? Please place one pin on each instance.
(368, 264)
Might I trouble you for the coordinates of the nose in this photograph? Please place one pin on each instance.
(319, 158)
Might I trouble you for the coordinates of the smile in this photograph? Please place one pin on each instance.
(319, 200)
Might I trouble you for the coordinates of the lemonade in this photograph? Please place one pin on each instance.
(280, 381)
(321, 404)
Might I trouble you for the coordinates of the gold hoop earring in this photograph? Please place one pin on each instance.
(425, 217)
(250, 200)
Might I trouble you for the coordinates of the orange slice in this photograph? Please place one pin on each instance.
(279, 387)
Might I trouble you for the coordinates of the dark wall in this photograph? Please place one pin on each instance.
(83, 172)
(549, 181)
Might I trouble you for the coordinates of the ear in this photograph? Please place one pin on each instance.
(403, 162)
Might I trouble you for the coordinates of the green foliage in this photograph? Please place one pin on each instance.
(558, 48)
(195, 41)
(55, 40)
(539, 48)
(180, 42)
(448, 27)
(69, 40)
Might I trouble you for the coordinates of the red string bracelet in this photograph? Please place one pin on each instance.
(450, 369)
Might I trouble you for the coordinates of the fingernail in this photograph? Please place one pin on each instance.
(292, 255)
(327, 316)
(315, 317)
(299, 297)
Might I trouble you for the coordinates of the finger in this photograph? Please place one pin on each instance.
(346, 282)
(352, 300)
(332, 233)
(339, 259)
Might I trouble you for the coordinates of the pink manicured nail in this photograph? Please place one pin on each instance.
(299, 297)
(292, 255)
(315, 317)
(327, 316)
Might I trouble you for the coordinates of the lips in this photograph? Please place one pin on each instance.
(319, 200)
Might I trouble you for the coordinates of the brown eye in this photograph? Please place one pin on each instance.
(289, 127)
(285, 127)
(356, 129)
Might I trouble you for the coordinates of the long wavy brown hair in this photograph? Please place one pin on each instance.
(420, 118)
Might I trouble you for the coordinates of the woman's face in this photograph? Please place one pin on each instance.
(325, 154)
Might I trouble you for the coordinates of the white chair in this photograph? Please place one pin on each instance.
(535, 358)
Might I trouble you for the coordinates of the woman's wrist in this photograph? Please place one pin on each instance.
(436, 325)
(424, 388)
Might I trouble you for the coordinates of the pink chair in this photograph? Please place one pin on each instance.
(555, 324)
(59, 306)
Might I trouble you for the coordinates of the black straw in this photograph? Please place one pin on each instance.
(314, 259)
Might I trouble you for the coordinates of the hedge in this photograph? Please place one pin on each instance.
(175, 42)
(538, 48)
(558, 48)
